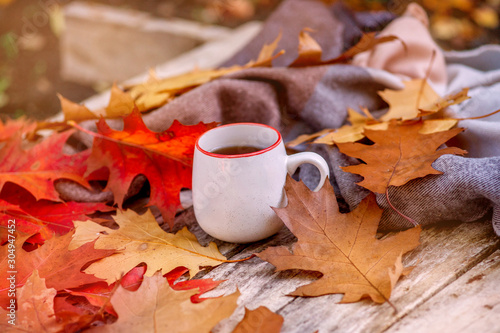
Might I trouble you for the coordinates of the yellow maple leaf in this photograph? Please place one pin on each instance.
(140, 239)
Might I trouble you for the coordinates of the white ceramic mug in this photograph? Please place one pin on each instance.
(233, 194)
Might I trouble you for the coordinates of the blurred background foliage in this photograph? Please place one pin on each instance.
(29, 67)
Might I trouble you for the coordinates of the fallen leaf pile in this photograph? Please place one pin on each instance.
(78, 266)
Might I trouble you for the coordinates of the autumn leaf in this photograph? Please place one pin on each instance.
(45, 217)
(11, 127)
(343, 247)
(260, 320)
(165, 159)
(36, 169)
(59, 267)
(154, 93)
(140, 239)
(35, 311)
(310, 52)
(74, 111)
(355, 131)
(120, 104)
(159, 308)
(399, 154)
(203, 285)
(417, 99)
(98, 294)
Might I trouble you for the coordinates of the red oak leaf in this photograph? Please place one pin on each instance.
(46, 217)
(59, 267)
(11, 127)
(164, 158)
(203, 285)
(37, 168)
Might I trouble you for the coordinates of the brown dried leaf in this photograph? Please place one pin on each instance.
(341, 246)
(260, 320)
(400, 153)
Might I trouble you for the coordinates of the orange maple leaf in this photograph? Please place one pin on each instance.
(400, 153)
(341, 246)
(165, 159)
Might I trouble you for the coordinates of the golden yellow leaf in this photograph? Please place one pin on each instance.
(417, 99)
(437, 125)
(154, 93)
(120, 103)
(307, 137)
(140, 239)
(443, 103)
(309, 51)
(405, 104)
(74, 111)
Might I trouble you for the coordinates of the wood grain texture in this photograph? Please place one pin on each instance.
(446, 253)
(470, 304)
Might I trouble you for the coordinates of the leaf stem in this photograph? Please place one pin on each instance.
(427, 75)
(479, 117)
(415, 223)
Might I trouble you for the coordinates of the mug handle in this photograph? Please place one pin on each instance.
(295, 160)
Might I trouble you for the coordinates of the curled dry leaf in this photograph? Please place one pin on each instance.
(310, 52)
(260, 320)
(341, 246)
(140, 239)
(152, 94)
(159, 308)
(400, 153)
(120, 104)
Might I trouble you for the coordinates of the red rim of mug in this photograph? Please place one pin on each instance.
(264, 150)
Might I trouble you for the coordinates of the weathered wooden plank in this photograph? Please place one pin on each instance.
(445, 254)
(470, 304)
